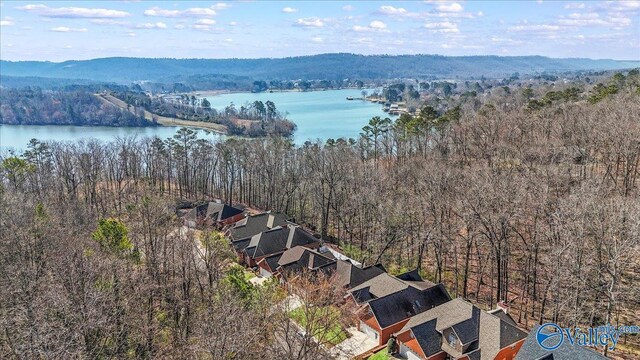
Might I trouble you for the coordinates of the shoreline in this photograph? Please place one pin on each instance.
(212, 93)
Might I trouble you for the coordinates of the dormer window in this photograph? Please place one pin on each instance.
(452, 339)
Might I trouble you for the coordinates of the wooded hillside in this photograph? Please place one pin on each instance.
(538, 206)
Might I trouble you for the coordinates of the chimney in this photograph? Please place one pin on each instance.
(501, 305)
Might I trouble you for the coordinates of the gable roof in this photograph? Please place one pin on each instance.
(255, 224)
(531, 350)
(350, 275)
(272, 261)
(216, 211)
(486, 332)
(278, 240)
(406, 303)
(413, 278)
(300, 258)
(377, 287)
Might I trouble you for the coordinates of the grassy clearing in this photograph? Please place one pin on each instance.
(380, 355)
(326, 324)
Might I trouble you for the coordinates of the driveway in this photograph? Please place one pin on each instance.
(357, 344)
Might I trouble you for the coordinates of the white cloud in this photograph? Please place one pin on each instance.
(289, 10)
(535, 27)
(317, 40)
(348, 8)
(179, 26)
(73, 12)
(390, 10)
(131, 34)
(109, 22)
(220, 6)
(67, 29)
(450, 7)
(6, 22)
(309, 22)
(190, 12)
(233, 23)
(206, 22)
(575, 6)
(228, 40)
(442, 27)
(157, 25)
(377, 24)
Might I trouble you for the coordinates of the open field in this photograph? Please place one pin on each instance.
(163, 120)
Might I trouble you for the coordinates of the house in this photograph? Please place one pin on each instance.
(254, 224)
(213, 213)
(459, 330)
(274, 241)
(531, 350)
(382, 316)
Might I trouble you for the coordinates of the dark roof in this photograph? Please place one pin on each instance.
(272, 261)
(351, 275)
(427, 337)
(531, 350)
(467, 331)
(412, 275)
(224, 213)
(413, 278)
(241, 244)
(503, 316)
(403, 304)
(213, 210)
(278, 240)
(255, 224)
(300, 257)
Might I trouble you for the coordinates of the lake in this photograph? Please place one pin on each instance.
(318, 114)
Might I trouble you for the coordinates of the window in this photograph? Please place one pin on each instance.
(452, 339)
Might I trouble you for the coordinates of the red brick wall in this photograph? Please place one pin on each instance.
(388, 331)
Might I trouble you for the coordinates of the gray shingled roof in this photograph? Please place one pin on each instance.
(531, 350)
(377, 287)
(350, 275)
(254, 224)
(403, 304)
(278, 240)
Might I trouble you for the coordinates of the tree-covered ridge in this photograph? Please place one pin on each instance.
(72, 106)
(325, 66)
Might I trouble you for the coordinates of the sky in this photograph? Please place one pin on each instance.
(78, 30)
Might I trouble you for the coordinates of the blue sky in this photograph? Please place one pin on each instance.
(64, 30)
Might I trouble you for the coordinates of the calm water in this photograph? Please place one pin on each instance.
(318, 114)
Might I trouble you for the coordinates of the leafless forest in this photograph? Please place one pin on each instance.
(536, 206)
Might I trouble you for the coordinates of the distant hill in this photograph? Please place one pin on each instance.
(325, 66)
